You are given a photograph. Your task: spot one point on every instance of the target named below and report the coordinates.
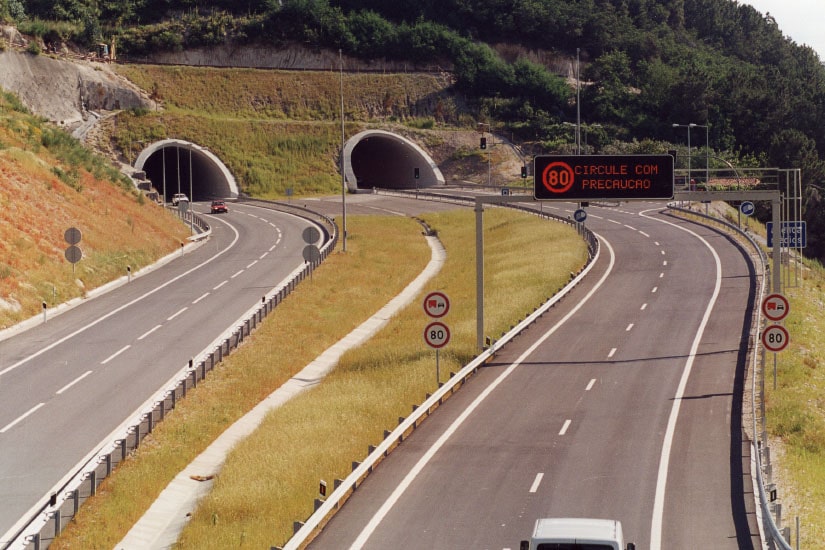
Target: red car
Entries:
(219, 207)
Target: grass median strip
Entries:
(271, 479)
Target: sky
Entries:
(801, 20)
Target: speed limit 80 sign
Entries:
(775, 338)
(436, 334)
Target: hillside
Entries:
(49, 183)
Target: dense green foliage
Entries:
(645, 64)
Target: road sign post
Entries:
(436, 334)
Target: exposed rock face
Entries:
(65, 91)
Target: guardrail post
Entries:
(93, 481)
(57, 521)
(108, 464)
(75, 501)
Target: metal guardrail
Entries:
(770, 530)
(47, 518)
(304, 532)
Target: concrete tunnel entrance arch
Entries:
(210, 178)
(377, 158)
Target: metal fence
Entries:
(44, 521)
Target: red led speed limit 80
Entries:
(558, 177)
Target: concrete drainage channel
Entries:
(46, 519)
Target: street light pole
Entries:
(707, 148)
(688, 126)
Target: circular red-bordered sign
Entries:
(775, 338)
(558, 177)
(436, 304)
(775, 307)
(437, 334)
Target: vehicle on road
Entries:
(219, 207)
(577, 534)
(177, 198)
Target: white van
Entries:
(577, 534)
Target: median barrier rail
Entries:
(770, 527)
(305, 531)
(46, 519)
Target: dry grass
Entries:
(260, 492)
(48, 183)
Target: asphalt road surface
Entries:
(623, 402)
(69, 383)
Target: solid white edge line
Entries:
(20, 418)
(73, 382)
(667, 444)
(536, 482)
(388, 504)
(115, 354)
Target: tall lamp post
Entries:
(688, 126)
(707, 148)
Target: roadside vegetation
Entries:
(49, 183)
(260, 492)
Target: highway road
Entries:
(622, 402)
(67, 384)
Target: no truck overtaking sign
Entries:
(603, 177)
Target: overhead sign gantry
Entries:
(603, 177)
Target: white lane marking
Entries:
(667, 444)
(612, 352)
(73, 382)
(565, 427)
(271, 248)
(401, 488)
(645, 234)
(629, 327)
(614, 221)
(644, 307)
(20, 418)
(663, 252)
(236, 274)
(656, 243)
(591, 384)
(179, 312)
(115, 354)
(664, 263)
(202, 296)
(655, 288)
(148, 332)
(253, 263)
(536, 482)
(630, 227)
(661, 275)
(264, 255)
(220, 285)
(124, 306)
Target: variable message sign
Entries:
(603, 177)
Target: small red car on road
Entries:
(219, 207)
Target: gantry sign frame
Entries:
(603, 177)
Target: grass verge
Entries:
(260, 492)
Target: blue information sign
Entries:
(792, 235)
(580, 215)
(747, 208)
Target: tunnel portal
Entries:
(177, 166)
(376, 158)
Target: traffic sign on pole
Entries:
(437, 334)
(436, 304)
(775, 307)
(775, 338)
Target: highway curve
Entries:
(67, 384)
(622, 402)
